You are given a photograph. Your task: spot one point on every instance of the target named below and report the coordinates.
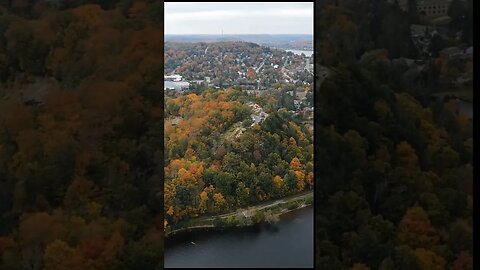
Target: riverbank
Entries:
(287, 243)
(263, 213)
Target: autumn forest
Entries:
(81, 132)
(98, 163)
(218, 160)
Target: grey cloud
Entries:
(239, 18)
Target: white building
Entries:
(177, 86)
(174, 77)
(429, 8)
(433, 8)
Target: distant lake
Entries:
(299, 52)
(289, 243)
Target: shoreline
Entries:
(208, 227)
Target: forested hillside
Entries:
(218, 159)
(81, 135)
(394, 166)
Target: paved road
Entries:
(239, 211)
(285, 73)
(261, 65)
(264, 205)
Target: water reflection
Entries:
(289, 243)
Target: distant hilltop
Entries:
(285, 41)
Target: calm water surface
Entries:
(289, 243)
(299, 52)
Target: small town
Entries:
(225, 64)
(248, 66)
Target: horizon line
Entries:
(236, 34)
(242, 34)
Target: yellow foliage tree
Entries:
(203, 201)
(219, 201)
(300, 177)
(429, 260)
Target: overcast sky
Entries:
(239, 18)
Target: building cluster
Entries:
(174, 83)
(428, 8)
(174, 78)
(258, 115)
(236, 64)
(422, 37)
(433, 8)
(457, 53)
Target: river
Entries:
(289, 243)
